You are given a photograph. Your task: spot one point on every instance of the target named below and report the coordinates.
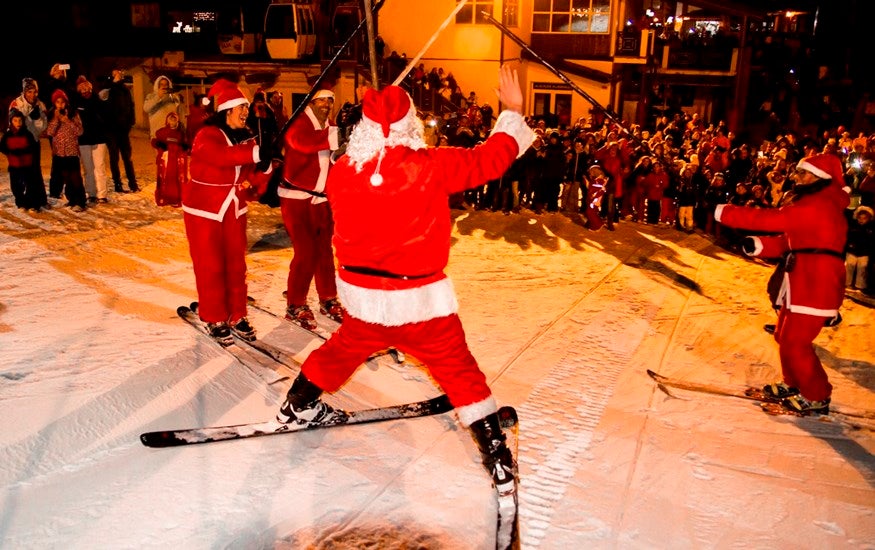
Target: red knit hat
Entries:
(226, 95)
(825, 166)
(59, 93)
(387, 106)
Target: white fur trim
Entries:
(805, 165)
(333, 139)
(514, 125)
(468, 414)
(323, 93)
(230, 104)
(718, 212)
(393, 308)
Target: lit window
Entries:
(511, 13)
(571, 16)
(472, 12)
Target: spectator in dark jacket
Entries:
(860, 246)
(92, 142)
(20, 148)
(119, 121)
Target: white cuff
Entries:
(333, 141)
(514, 125)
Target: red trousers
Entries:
(218, 255)
(310, 227)
(800, 366)
(439, 343)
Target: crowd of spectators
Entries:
(673, 173)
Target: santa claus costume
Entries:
(811, 230)
(306, 213)
(390, 198)
(171, 162)
(227, 169)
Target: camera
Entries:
(64, 67)
(63, 111)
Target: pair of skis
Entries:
(853, 418)
(507, 520)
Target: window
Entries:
(571, 16)
(472, 13)
(511, 15)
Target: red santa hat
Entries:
(387, 107)
(226, 95)
(824, 166)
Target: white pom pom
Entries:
(205, 101)
(376, 180)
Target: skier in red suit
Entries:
(811, 232)
(306, 212)
(390, 198)
(227, 169)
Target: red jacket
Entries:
(306, 158)
(816, 285)
(222, 174)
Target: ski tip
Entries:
(250, 300)
(507, 416)
(654, 375)
(182, 310)
(193, 306)
(158, 439)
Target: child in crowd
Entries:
(861, 242)
(171, 161)
(21, 149)
(64, 129)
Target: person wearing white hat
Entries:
(808, 232)
(227, 169)
(308, 144)
(390, 198)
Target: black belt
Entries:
(361, 270)
(790, 257)
(288, 185)
(826, 251)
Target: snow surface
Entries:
(564, 323)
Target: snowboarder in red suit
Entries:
(810, 232)
(389, 195)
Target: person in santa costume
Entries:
(390, 198)
(810, 233)
(306, 213)
(227, 169)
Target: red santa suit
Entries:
(305, 209)
(171, 163)
(390, 199)
(813, 229)
(223, 177)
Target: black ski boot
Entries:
(497, 458)
(220, 332)
(303, 406)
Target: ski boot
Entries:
(779, 390)
(332, 308)
(804, 407)
(301, 315)
(303, 406)
(220, 332)
(244, 330)
(496, 457)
